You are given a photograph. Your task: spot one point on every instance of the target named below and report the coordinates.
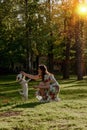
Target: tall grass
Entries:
(68, 114)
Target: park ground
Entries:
(70, 113)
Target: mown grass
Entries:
(68, 114)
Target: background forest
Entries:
(53, 32)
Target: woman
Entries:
(48, 89)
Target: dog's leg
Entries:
(25, 92)
(28, 80)
(20, 92)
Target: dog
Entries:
(24, 83)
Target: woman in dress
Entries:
(48, 88)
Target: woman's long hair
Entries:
(44, 70)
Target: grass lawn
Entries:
(68, 114)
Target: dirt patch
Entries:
(10, 113)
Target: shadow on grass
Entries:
(27, 105)
(80, 86)
(67, 81)
(74, 93)
(8, 87)
(73, 80)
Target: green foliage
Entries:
(36, 28)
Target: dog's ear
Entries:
(19, 76)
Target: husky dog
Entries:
(24, 83)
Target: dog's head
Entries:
(19, 77)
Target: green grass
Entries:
(68, 114)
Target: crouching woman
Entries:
(48, 88)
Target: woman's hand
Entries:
(34, 77)
(23, 73)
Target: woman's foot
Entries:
(57, 99)
(39, 97)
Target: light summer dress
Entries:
(54, 86)
(51, 93)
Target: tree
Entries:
(78, 45)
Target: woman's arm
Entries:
(35, 77)
(42, 87)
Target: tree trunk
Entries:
(50, 62)
(66, 62)
(50, 42)
(37, 63)
(67, 41)
(50, 56)
(78, 45)
(28, 41)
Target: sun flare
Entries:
(82, 9)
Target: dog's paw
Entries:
(20, 92)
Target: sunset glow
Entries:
(82, 9)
